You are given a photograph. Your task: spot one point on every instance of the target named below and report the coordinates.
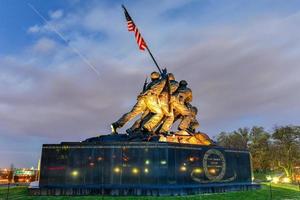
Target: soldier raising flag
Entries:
(160, 104)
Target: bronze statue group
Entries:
(162, 102)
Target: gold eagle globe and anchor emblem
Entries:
(214, 166)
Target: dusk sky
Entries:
(240, 58)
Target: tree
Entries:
(279, 150)
(260, 149)
(285, 148)
(242, 137)
(223, 139)
(237, 139)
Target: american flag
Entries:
(132, 27)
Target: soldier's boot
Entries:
(134, 127)
(114, 127)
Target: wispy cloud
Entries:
(56, 14)
(34, 29)
(44, 45)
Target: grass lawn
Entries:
(279, 192)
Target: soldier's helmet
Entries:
(194, 110)
(171, 76)
(155, 75)
(183, 83)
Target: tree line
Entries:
(277, 150)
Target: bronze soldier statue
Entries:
(179, 99)
(194, 122)
(165, 106)
(162, 102)
(154, 105)
(146, 100)
(165, 100)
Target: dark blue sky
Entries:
(239, 57)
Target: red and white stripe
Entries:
(139, 39)
(130, 26)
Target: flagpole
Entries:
(153, 59)
(146, 45)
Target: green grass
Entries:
(286, 186)
(260, 176)
(279, 192)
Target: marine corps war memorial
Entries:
(149, 159)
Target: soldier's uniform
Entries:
(194, 122)
(153, 104)
(164, 96)
(146, 100)
(178, 99)
(138, 124)
(165, 102)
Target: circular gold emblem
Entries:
(214, 165)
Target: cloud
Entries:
(56, 14)
(241, 74)
(44, 45)
(55, 100)
(33, 29)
